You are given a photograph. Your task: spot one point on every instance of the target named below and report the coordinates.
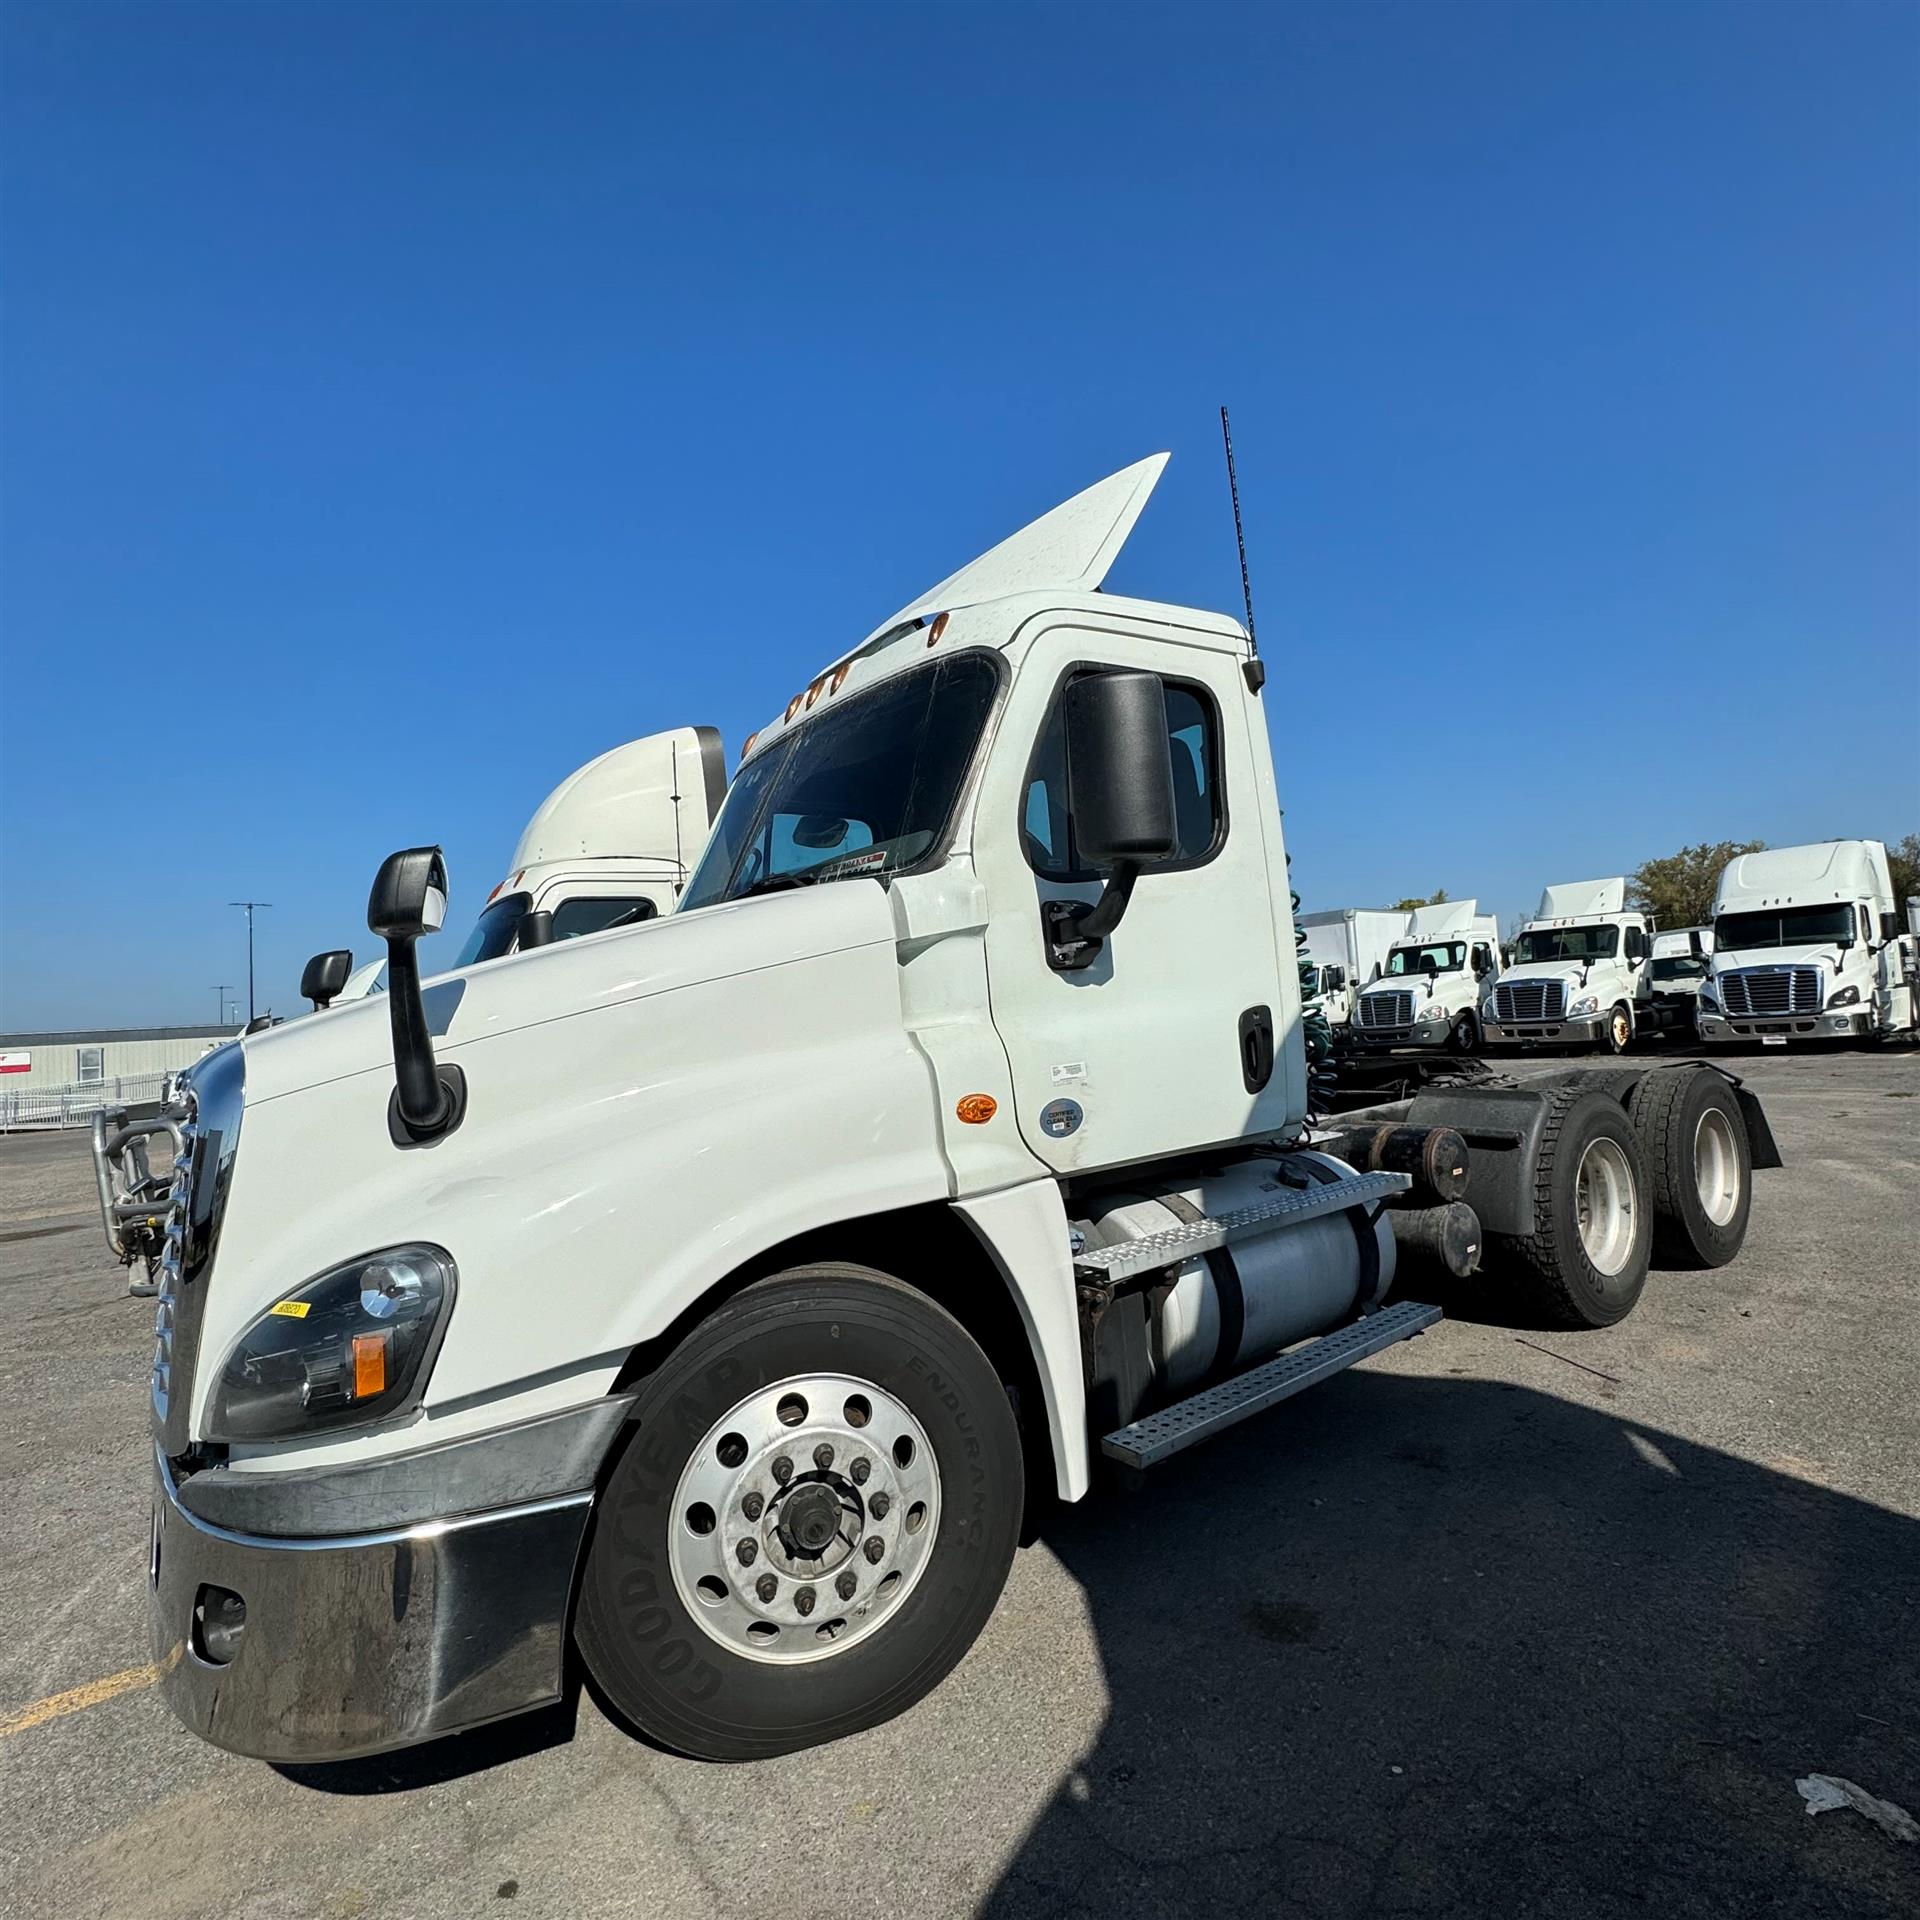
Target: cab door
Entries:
(1176, 1035)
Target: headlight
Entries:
(1433, 1010)
(1587, 1003)
(1488, 1011)
(350, 1348)
(1846, 997)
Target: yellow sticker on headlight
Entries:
(292, 1309)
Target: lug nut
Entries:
(803, 1602)
(845, 1585)
(782, 1469)
(860, 1469)
(746, 1553)
(752, 1505)
(875, 1549)
(878, 1506)
(766, 1587)
(823, 1456)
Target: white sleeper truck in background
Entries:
(1429, 988)
(1682, 957)
(1808, 945)
(1580, 974)
(709, 1299)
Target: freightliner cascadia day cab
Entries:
(1681, 958)
(1580, 973)
(1428, 991)
(1808, 945)
(1348, 947)
(613, 844)
(716, 1295)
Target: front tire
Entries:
(1618, 1031)
(1464, 1035)
(811, 1525)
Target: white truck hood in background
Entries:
(577, 976)
(1567, 970)
(1734, 959)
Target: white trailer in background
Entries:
(1808, 945)
(1432, 980)
(1348, 946)
(1580, 974)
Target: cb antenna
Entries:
(1253, 667)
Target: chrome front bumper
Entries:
(1722, 1029)
(357, 1643)
(1580, 1031)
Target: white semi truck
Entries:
(1808, 945)
(1681, 959)
(1580, 975)
(1347, 948)
(712, 1297)
(1428, 991)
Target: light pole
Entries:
(249, 905)
(220, 994)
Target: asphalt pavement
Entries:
(1498, 1622)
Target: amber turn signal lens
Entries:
(976, 1109)
(937, 629)
(816, 690)
(840, 676)
(369, 1365)
(748, 748)
(793, 706)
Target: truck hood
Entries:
(1568, 971)
(1414, 983)
(1732, 959)
(577, 976)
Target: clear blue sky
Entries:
(404, 403)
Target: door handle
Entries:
(1256, 1047)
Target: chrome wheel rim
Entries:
(1622, 1029)
(804, 1518)
(1716, 1167)
(1607, 1206)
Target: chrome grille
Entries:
(1770, 990)
(1386, 1009)
(1530, 1000)
(166, 1316)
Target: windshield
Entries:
(493, 932)
(1680, 966)
(865, 789)
(1566, 943)
(1440, 956)
(1785, 927)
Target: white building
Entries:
(50, 1078)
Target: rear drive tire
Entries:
(812, 1523)
(1699, 1165)
(1585, 1263)
(1618, 1031)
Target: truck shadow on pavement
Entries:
(1446, 1645)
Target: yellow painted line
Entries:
(77, 1699)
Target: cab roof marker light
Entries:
(840, 676)
(793, 705)
(816, 690)
(938, 627)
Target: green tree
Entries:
(1407, 906)
(1903, 856)
(1678, 891)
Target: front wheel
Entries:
(812, 1523)
(1618, 1030)
(1464, 1035)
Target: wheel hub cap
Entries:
(804, 1518)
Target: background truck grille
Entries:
(1531, 1000)
(1386, 1010)
(1767, 990)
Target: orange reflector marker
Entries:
(937, 629)
(748, 748)
(840, 676)
(976, 1109)
(369, 1365)
(793, 706)
(816, 690)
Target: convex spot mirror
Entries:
(409, 898)
(1120, 769)
(325, 975)
(817, 830)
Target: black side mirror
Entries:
(1120, 793)
(1889, 926)
(409, 899)
(325, 975)
(536, 929)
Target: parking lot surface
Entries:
(1498, 1622)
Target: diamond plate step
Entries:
(1158, 1436)
(1128, 1258)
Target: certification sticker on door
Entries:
(1058, 1118)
